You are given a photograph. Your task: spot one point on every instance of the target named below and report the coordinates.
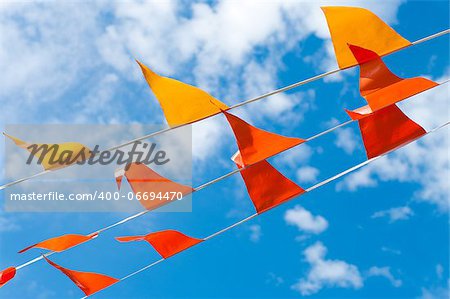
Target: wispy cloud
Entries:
(255, 233)
(395, 214)
(384, 272)
(326, 273)
(305, 221)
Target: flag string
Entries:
(316, 186)
(200, 187)
(280, 90)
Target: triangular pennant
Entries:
(181, 103)
(167, 242)
(143, 179)
(267, 187)
(61, 243)
(387, 129)
(56, 155)
(88, 282)
(361, 27)
(6, 275)
(379, 86)
(255, 144)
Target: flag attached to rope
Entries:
(88, 282)
(379, 86)
(181, 103)
(56, 155)
(6, 275)
(360, 27)
(61, 243)
(387, 129)
(255, 144)
(143, 179)
(267, 187)
(167, 242)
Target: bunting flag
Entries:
(387, 129)
(181, 103)
(360, 27)
(267, 187)
(379, 86)
(143, 179)
(61, 243)
(88, 282)
(56, 155)
(6, 275)
(167, 242)
(255, 144)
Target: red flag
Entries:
(379, 86)
(88, 282)
(61, 243)
(6, 275)
(387, 129)
(255, 144)
(267, 187)
(167, 242)
(143, 179)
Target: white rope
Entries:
(194, 190)
(283, 89)
(316, 186)
(209, 183)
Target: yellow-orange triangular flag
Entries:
(362, 28)
(56, 155)
(181, 103)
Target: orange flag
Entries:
(379, 86)
(167, 242)
(61, 243)
(88, 282)
(6, 275)
(56, 155)
(267, 187)
(360, 27)
(387, 129)
(143, 179)
(255, 144)
(181, 102)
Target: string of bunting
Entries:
(359, 38)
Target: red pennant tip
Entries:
(387, 129)
(61, 243)
(167, 242)
(88, 282)
(145, 180)
(6, 275)
(255, 144)
(363, 55)
(267, 187)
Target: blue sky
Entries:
(380, 232)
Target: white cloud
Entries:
(61, 49)
(255, 233)
(326, 273)
(293, 157)
(7, 224)
(307, 174)
(384, 272)
(436, 292)
(424, 162)
(305, 221)
(395, 214)
(274, 279)
(347, 140)
(391, 250)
